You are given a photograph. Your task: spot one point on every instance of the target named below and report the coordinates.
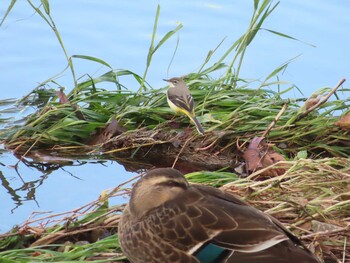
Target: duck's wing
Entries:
(235, 226)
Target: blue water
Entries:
(61, 190)
(119, 33)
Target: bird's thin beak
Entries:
(166, 80)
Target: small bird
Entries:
(169, 220)
(180, 100)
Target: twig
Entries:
(305, 113)
(326, 233)
(275, 120)
(344, 250)
(183, 147)
(78, 212)
(208, 146)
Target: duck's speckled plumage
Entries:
(180, 227)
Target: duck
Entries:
(169, 220)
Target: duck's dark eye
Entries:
(173, 184)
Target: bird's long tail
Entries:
(198, 125)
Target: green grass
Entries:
(311, 192)
(104, 250)
(231, 111)
(241, 112)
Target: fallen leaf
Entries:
(62, 97)
(252, 155)
(344, 122)
(318, 226)
(260, 155)
(36, 254)
(103, 135)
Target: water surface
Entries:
(119, 33)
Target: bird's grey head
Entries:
(155, 188)
(173, 82)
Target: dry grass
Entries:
(312, 199)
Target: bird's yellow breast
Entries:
(174, 107)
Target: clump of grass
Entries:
(241, 113)
(223, 104)
(85, 233)
(105, 250)
(310, 193)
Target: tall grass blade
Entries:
(46, 6)
(94, 59)
(51, 23)
(153, 48)
(287, 36)
(8, 10)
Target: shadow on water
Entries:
(30, 187)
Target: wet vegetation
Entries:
(304, 181)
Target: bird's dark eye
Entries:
(175, 81)
(173, 184)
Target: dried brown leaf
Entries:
(62, 97)
(344, 122)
